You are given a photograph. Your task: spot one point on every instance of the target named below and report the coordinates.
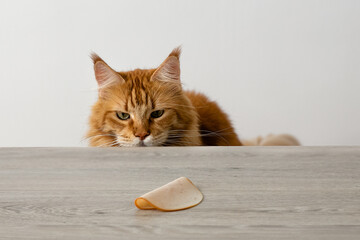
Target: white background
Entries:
(274, 66)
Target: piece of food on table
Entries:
(177, 195)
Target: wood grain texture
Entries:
(250, 193)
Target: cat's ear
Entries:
(169, 70)
(105, 75)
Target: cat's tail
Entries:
(272, 140)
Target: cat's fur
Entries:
(189, 118)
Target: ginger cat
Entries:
(148, 107)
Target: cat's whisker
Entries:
(176, 143)
(108, 144)
(221, 130)
(221, 135)
(97, 135)
(114, 144)
(159, 139)
(208, 133)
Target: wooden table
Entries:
(250, 193)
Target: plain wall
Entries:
(274, 66)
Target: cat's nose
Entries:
(142, 135)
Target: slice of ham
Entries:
(176, 195)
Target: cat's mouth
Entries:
(136, 142)
(141, 144)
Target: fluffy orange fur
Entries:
(150, 108)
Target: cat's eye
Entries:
(157, 114)
(122, 115)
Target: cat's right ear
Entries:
(105, 75)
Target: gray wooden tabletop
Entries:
(249, 193)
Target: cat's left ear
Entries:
(104, 74)
(169, 70)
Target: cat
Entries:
(148, 107)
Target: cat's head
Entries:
(140, 107)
